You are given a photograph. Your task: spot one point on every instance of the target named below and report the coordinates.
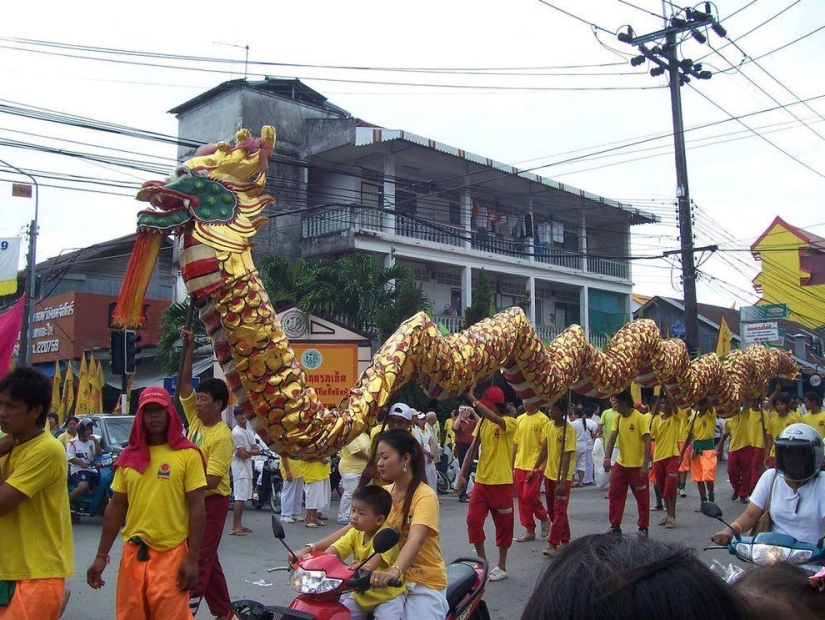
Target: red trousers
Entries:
(757, 467)
(211, 580)
(557, 511)
(739, 470)
(498, 500)
(620, 479)
(529, 499)
(666, 475)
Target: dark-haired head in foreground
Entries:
(779, 591)
(609, 577)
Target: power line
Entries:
(576, 17)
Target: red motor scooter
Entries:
(321, 579)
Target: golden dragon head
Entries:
(215, 199)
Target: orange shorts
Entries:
(703, 466)
(684, 465)
(147, 589)
(35, 599)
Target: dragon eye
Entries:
(180, 172)
(201, 172)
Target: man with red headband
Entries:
(158, 490)
(493, 490)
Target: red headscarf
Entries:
(136, 454)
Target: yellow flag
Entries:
(723, 341)
(67, 398)
(55, 407)
(82, 405)
(96, 384)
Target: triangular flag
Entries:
(55, 407)
(96, 385)
(82, 404)
(67, 398)
(723, 341)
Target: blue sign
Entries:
(170, 383)
(678, 330)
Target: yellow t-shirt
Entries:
(817, 421)
(215, 442)
(65, 438)
(666, 433)
(496, 456)
(684, 416)
(315, 471)
(632, 430)
(158, 509)
(738, 430)
(777, 424)
(296, 468)
(428, 568)
(36, 535)
(449, 436)
(705, 425)
(350, 464)
(352, 544)
(528, 439)
(554, 435)
(757, 424)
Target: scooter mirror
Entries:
(384, 540)
(709, 509)
(278, 529)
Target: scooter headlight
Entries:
(800, 556)
(313, 582)
(761, 553)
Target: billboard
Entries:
(331, 368)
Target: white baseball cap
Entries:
(402, 411)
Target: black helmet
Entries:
(799, 451)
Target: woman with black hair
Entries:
(606, 577)
(415, 515)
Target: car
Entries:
(111, 430)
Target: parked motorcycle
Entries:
(94, 502)
(765, 548)
(447, 471)
(267, 471)
(321, 579)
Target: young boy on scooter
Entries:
(370, 508)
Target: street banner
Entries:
(21, 190)
(723, 341)
(10, 322)
(9, 255)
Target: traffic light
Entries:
(132, 348)
(117, 353)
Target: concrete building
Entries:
(343, 184)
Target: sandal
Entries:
(310, 524)
(237, 533)
(247, 530)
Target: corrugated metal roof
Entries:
(365, 136)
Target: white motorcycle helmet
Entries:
(799, 452)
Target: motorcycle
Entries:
(321, 578)
(267, 471)
(447, 471)
(94, 502)
(765, 548)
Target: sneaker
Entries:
(497, 574)
(545, 528)
(664, 521)
(551, 551)
(287, 520)
(464, 499)
(614, 530)
(643, 533)
(299, 518)
(658, 507)
(526, 537)
(682, 494)
(255, 497)
(744, 500)
(734, 497)
(671, 523)
(343, 521)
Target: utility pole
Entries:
(665, 57)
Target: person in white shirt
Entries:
(241, 467)
(81, 452)
(426, 438)
(585, 427)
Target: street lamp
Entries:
(25, 353)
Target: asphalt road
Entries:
(246, 559)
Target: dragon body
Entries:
(213, 203)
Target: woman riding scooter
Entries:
(796, 489)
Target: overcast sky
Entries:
(739, 181)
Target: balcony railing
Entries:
(548, 332)
(451, 322)
(343, 218)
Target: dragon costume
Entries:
(213, 203)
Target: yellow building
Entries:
(793, 271)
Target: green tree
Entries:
(481, 305)
(167, 353)
(407, 299)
